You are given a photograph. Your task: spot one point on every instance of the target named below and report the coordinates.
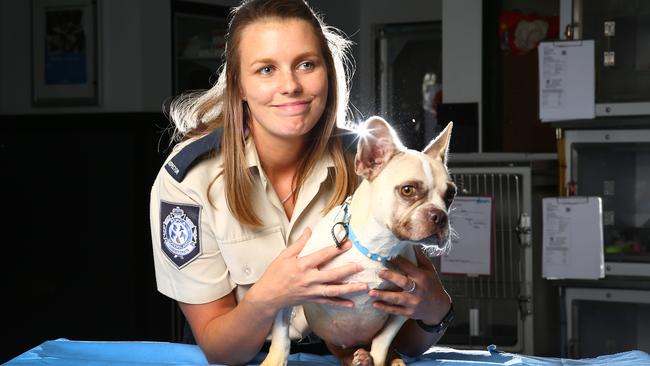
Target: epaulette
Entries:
(180, 164)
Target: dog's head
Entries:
(411, 190)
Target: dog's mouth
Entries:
(434, 245)
(421, 231)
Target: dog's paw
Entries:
(362, 358)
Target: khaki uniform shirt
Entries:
(201, 252)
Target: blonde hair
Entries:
(199, 113)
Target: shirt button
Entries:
(247, 270)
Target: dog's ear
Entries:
(439, 146)
(377, 144)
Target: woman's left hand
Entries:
(422, 297)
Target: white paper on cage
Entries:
(471, 247)
(573, 238)
(566, 80)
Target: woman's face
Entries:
(283, 77)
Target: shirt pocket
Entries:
(247, 259)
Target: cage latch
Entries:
(525, 306)
(524, 231)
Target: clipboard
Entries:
(573, 238)
(566, 80)
(472, 218)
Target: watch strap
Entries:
(444, 323)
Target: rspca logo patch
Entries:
(180, 232)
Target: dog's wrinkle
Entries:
(417, 226)
(401, 229)
(406, 216)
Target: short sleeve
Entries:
(188, 263)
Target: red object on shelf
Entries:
(520, 33)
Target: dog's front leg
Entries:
(280, 341)
(382, 341)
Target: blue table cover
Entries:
(90, 353)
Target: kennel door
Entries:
(494, 309)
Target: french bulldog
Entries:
(401, 203)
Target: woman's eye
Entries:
(307, 65)
(407, 191)
(265, 70)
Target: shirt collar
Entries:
(253, 160)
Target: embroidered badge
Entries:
(180, 233)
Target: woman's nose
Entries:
(290, 83)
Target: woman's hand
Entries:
(423, 296)
(290, 280)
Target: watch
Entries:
(444, 323)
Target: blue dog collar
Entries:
(349, 234)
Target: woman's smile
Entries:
(293, 108)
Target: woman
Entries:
(262, 159)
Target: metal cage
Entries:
(499, 308)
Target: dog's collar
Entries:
(349, 234)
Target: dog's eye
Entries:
(407, 191)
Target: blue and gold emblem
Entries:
(180, 234)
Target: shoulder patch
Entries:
(180, 232)
(180, 164)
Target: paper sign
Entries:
(573, 238)
(566, 80)
(471, 248)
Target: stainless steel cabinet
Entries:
(621, 33)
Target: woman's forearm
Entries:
(413, 341)
(236, 337)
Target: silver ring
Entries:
(412, 289)
(322, 293)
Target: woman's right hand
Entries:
(290, 280)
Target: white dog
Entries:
(401, 202)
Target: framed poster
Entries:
(64, 51)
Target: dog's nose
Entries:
(438, 216)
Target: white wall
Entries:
(345, 16)
(462, 54)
